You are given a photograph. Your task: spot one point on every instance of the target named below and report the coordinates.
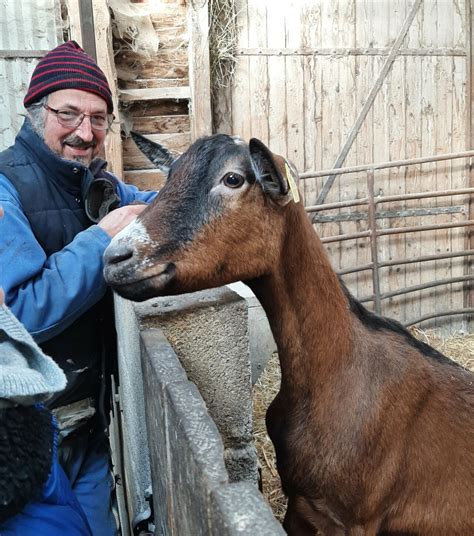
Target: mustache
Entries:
(75, 141)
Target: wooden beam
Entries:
(155, 93)
(370, 100)
(199, 70)
(86, 10)
(469, 242)
(105, 59)
(74, 18)
(15, 54)
(307, 51)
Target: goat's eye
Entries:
(233, 180)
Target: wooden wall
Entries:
(163, 96)
(304, 72)
(28, 30)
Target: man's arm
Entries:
(48, 293)
(130, 194)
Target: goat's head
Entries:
(218, 219)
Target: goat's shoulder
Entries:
(392, 329)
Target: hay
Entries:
(222, 43)
(458, 347)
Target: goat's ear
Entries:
(158, 155)
(276, 175)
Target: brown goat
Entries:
(373, 429)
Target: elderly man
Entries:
(61, 210)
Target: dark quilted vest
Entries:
(51, 194)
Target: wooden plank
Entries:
(396, 180)
(166, 64)
(330, 112)
(413, 148)
(162, 124)
(23, 54)
(154, 93)
(310, 51)
(381, 142)
(469, 239)
(444, 86)
(258, 83)
(370, 99)
(145, 179)
(277, 118)
(240, 90)
(347, 97)
(105, 59)
(428, 170)
(295, 134)
(311, 14)
(74, 20)
(155, 107)
(140, 83)
(199, 70)
(361, 283)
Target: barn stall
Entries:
(380, 89)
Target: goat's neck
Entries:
(305, 305)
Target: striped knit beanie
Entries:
(67, 67)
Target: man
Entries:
(61, 210)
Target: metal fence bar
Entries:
(389, 199)
(372, 233)
(466, 311)
(373, 241)
(425, 258)
(395, 230)
(415, 288)
(386, 165)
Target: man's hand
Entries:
(119, 218)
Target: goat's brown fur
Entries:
(373, 434)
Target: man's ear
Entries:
(274, 173)
(158, 155)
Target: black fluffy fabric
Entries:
(26, 448)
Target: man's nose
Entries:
(84, 130)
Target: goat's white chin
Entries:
(137, 286)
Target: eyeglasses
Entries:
(71, 119)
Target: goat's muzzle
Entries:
(132, 277)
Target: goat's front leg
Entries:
(302, 519)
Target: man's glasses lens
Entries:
(71, 119)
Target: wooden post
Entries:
(74, 17)
(469, 291)
(199, 69)
(105, 59)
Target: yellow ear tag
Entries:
(292, 184)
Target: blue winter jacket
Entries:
(51, 258)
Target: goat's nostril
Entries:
(117, 253)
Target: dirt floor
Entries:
(458, 347)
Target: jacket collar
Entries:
(70, 175)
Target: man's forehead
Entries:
(77, 98)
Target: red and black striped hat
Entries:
(67, 67)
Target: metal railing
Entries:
(374, 233)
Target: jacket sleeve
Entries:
(47, 293)
(130, 194)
